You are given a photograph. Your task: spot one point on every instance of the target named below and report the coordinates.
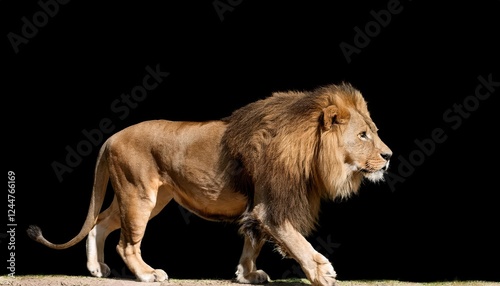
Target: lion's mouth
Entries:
(369, 172)
(371, 169)
(373, 174)
(386, 166)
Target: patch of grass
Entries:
(291, 281)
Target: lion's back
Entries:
(165, 143)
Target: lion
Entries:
(266, 167)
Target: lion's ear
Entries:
(333, 115)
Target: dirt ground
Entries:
(39, 280)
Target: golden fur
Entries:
(266, 166)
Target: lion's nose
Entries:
(386, 156)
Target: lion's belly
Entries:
(212, 204)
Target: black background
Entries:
(436, 223)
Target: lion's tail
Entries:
(99, 190)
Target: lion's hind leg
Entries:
(136, 208)
(107, 222)
(246, 271)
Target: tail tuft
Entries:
(34, 232)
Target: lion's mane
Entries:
(280, 143)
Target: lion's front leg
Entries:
(316, 267)
(246, 271)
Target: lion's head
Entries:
(300, 146)
(350, 134)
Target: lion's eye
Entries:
(363, 135)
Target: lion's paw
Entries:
(326, 274)
(256, 277)
(157, 275)
(327, 279)
(100, 270)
